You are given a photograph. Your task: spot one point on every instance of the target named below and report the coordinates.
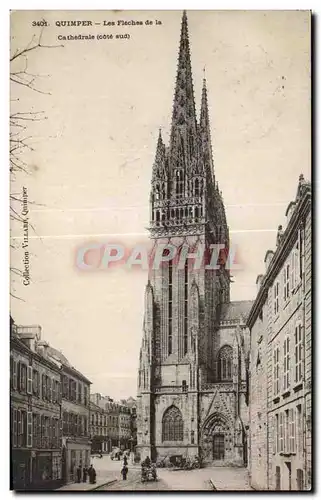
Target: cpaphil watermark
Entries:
(101, 256)
(25, 240)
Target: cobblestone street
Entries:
(209, 478)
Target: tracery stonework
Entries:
(192, 379)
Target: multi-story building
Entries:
(111, 423)
(99, 429)
(35, 412)
(280, 324)
(131, 403)
(76, 444)
(193, 365)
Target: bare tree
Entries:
(20, 138)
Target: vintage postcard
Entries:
(160, 322)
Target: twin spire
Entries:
(190, 142)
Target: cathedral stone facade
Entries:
(193, 367)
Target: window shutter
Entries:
(54, 396)
(11, 371)
(14, 428)
(43, 440)
(15, 375)
(30, 380)
(29, 429)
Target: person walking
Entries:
(124, 471)
(92, 475)
(84, 474)
(78, 474)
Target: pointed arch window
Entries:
(179, 183)
(172, 425)
(196, 188)
(225, 357)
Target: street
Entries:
(223, 478)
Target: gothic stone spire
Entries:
(205, 133)
(184, 126)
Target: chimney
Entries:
(29, 335)
(42, 348)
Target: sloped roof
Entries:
(234, 310)
(57, 355)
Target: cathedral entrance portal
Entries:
(218, 447)
(217, 440)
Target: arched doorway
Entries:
(217, 439)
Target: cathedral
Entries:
(193, 366)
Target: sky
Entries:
(90, 166)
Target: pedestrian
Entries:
(124, 471)
(84, 474)
(125, 460)
(78, 474)
(92, 475)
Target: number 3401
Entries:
(39, 23)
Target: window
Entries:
(65, 387)
(286, 282)
(79, 392)
(14, 377)
(276, 434)
(276, 371)
(225, 357)
(286, 363)
(292, 447)
(276, 297)
(298, 340)
(29, 380)
(185, 308)
(170, 307)
(49, 388)
(35, 383)
(65, 423)
(286, 432)
(44, 387)
(54, 391)
(281, 429)
(22, 377)
(85, 395)
(14, 427)
(22, 427)
(196, 188)
(172, 425)
(299, 427)
(29, 429)
(295, 267)
(36, 431)
(56, 467)
(179, 183)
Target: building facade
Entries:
(280, 324)
(111, 423)
(100, 441)
(193, 366)
(35, 412)
(75, 410)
